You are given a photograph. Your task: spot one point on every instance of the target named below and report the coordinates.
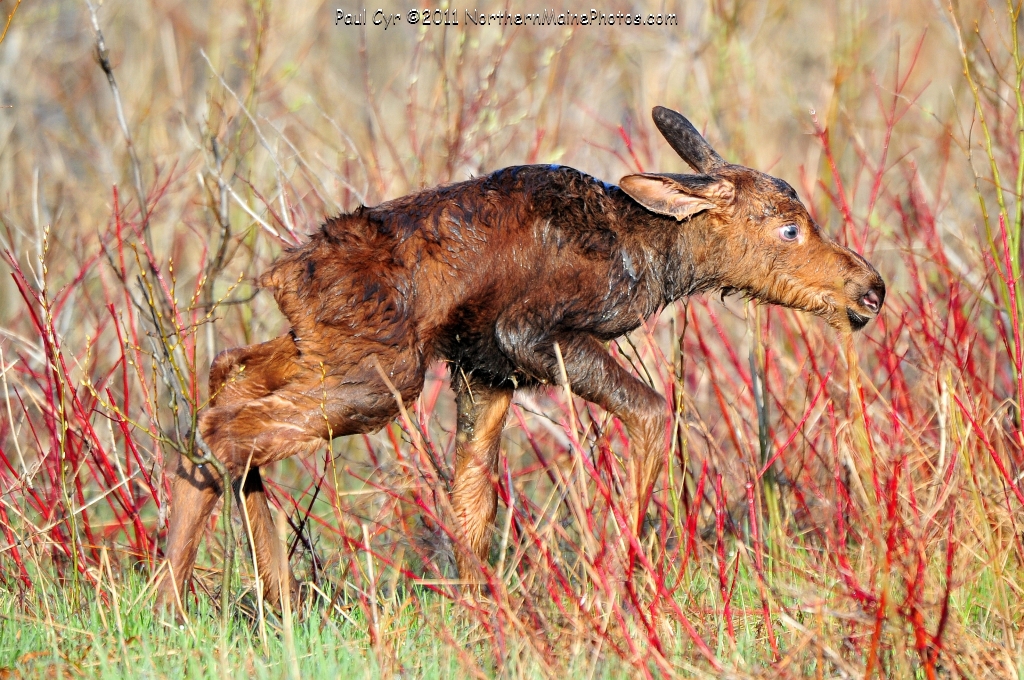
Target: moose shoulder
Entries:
(490, 274)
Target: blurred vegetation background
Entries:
(356, 115)
(886, 539)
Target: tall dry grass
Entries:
(830, 506)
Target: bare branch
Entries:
(102, 56)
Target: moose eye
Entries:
(788, 232)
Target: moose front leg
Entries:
(481, 416)
(594, 375)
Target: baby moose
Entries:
(488, 275)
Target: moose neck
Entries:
(684, 256)
(693, 259)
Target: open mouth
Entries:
(857, 321)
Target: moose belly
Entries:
(477, 353)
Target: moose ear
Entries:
(679, 196)
(686, 141)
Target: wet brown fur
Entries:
(488, 275)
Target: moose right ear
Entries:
(678, 196)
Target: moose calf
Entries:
(488, 275)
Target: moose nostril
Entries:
(871, 301)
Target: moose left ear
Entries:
(679, 196)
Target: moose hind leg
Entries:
(271, 559)
(481, 416)
(195, 490)
(294, 419)
(246, 373)
(237, 376)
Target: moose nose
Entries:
(872, 300)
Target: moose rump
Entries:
(349, 306)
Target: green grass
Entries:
(74, 632)
(70, 629)
(67, 630)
